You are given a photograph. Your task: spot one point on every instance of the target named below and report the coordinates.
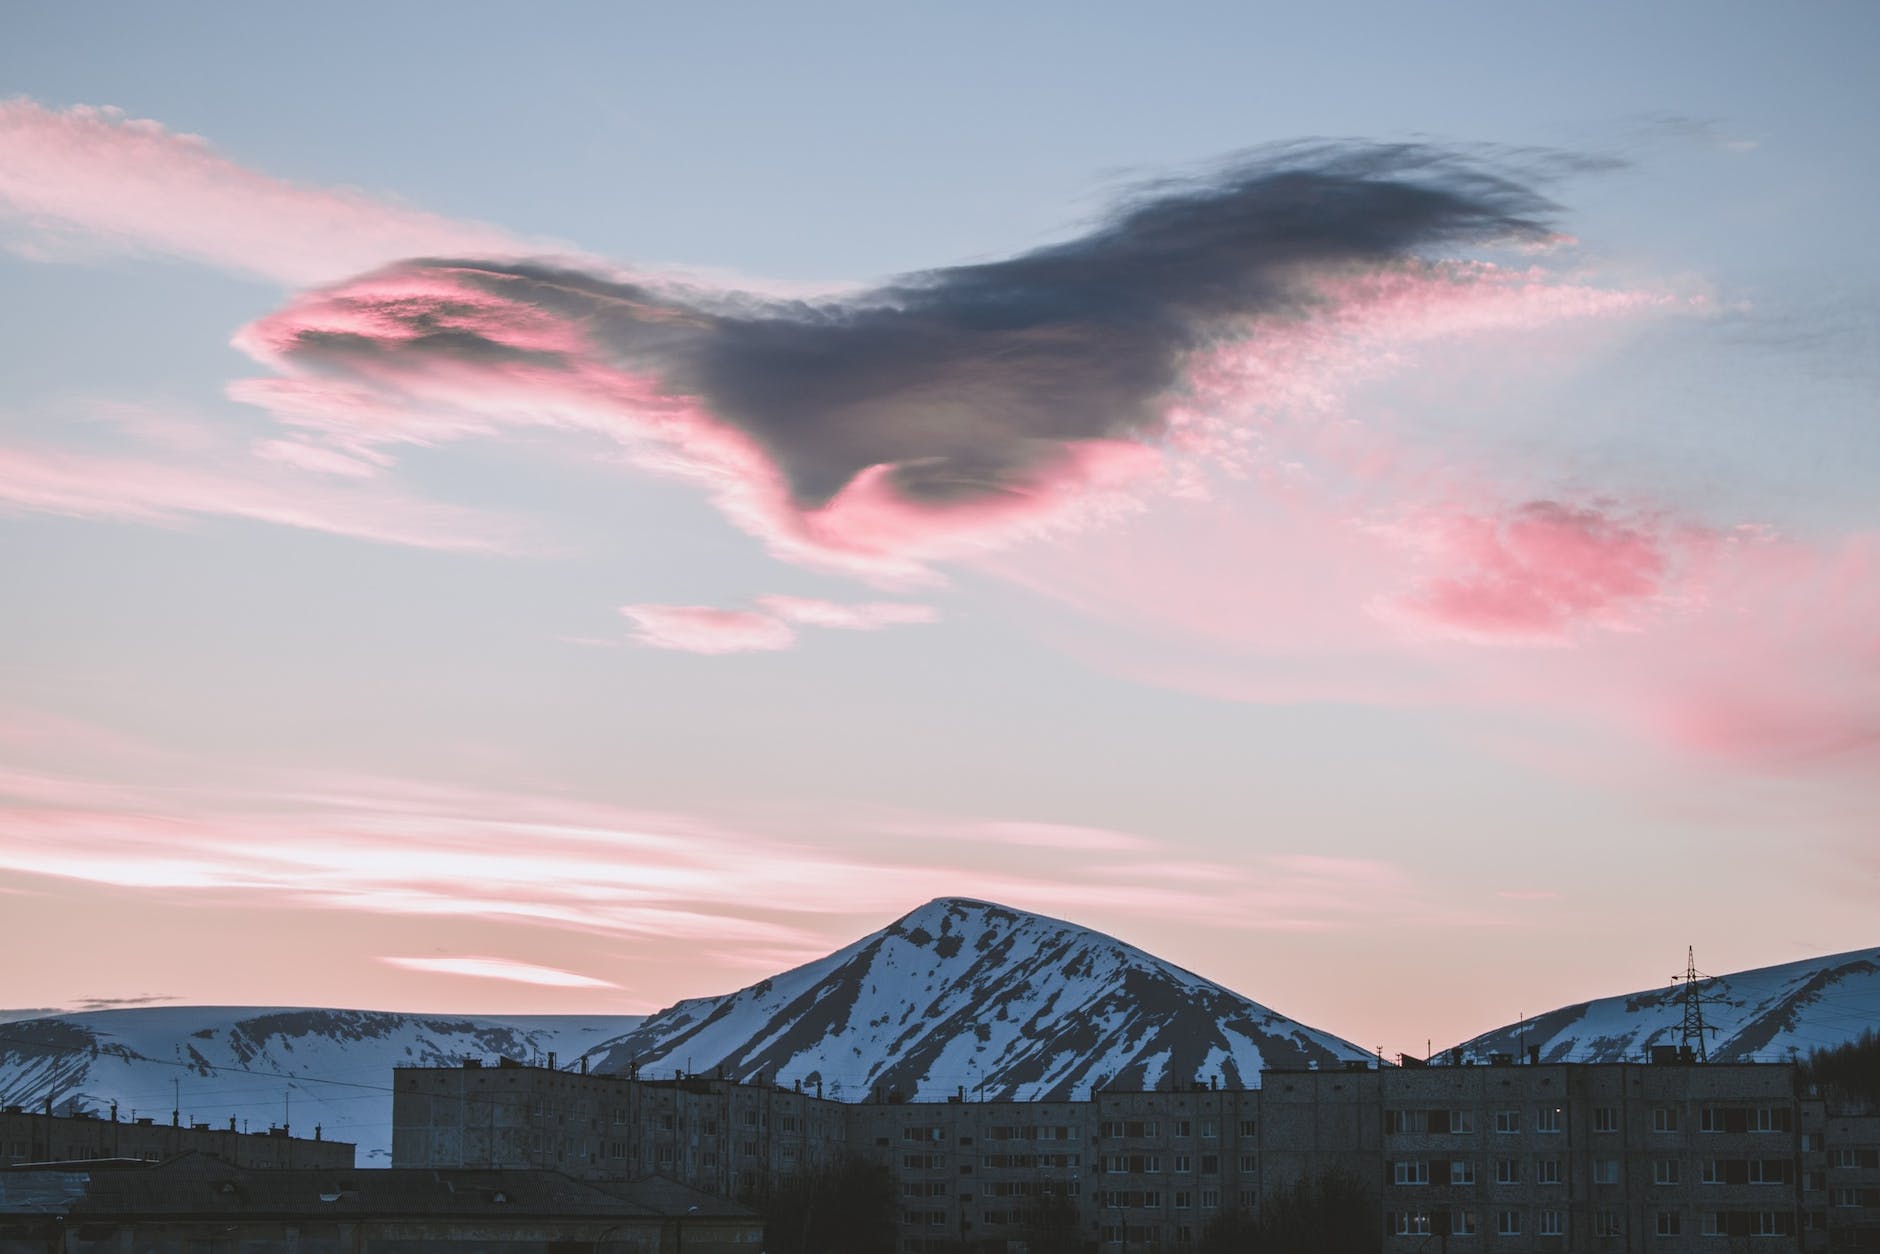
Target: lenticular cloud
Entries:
(937, 414)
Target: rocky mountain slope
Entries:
(968, 995)
(1761, 1015)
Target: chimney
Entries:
(1534, 1055)
(583, 1064)
(551, 1060)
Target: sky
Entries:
(571, 508)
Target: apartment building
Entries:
(1500, 1157)
(1610, 1157)
(30, 1137)
(729, 1139)
(1846, 1173)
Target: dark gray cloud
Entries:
(968, 380)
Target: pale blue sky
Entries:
(218, 665)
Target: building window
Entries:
(1210, 1164)
(1664, 1118)
(1547, 1171)
(1184, 1128)
(1769, 1119)
(1669, 1223)
(1606, 1119)
(1462, 1223)
(1250, 1162)
(1605, 1171)
(1772, 1223)
(1183, 1199)
(1547, 1119)
(1606, 1222)
(1411, 1223)
(1247, 1127)
(1664, 1171)
(1249, 1199)
(1712, 1225)
(1462, 1171)
(1768, 1171)
(1507, 1171)
(1551, 1223)
(1507, 1121)
(1210, 1128)
(1184, 1163)
(1210, 1199)
(1411, 1171)
(1508, 1223)
(1844, 1197)
(1461, 1121)
(1406, 1122)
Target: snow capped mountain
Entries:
(1758, 1015)
(964, 994)
(264, 1066)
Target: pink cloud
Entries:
(395, 378)
(866, 616)
(91, 175)
(1534, 572)
(215, 478)
(704, 629)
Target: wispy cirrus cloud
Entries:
(499, 969)
(705, 629)
(86, 177)
(746, 893)
(171, 469)
(862, 616)
(771, 627)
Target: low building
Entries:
(201, 1205)
(30, 1137)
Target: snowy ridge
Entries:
(265, 1066)
(968, 995)
(1761, 1015)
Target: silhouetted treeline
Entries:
(1329, 1213)
(848, 1208)
(1849, 1072)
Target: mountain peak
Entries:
(965, 993)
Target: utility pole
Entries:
(1693, 1030)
